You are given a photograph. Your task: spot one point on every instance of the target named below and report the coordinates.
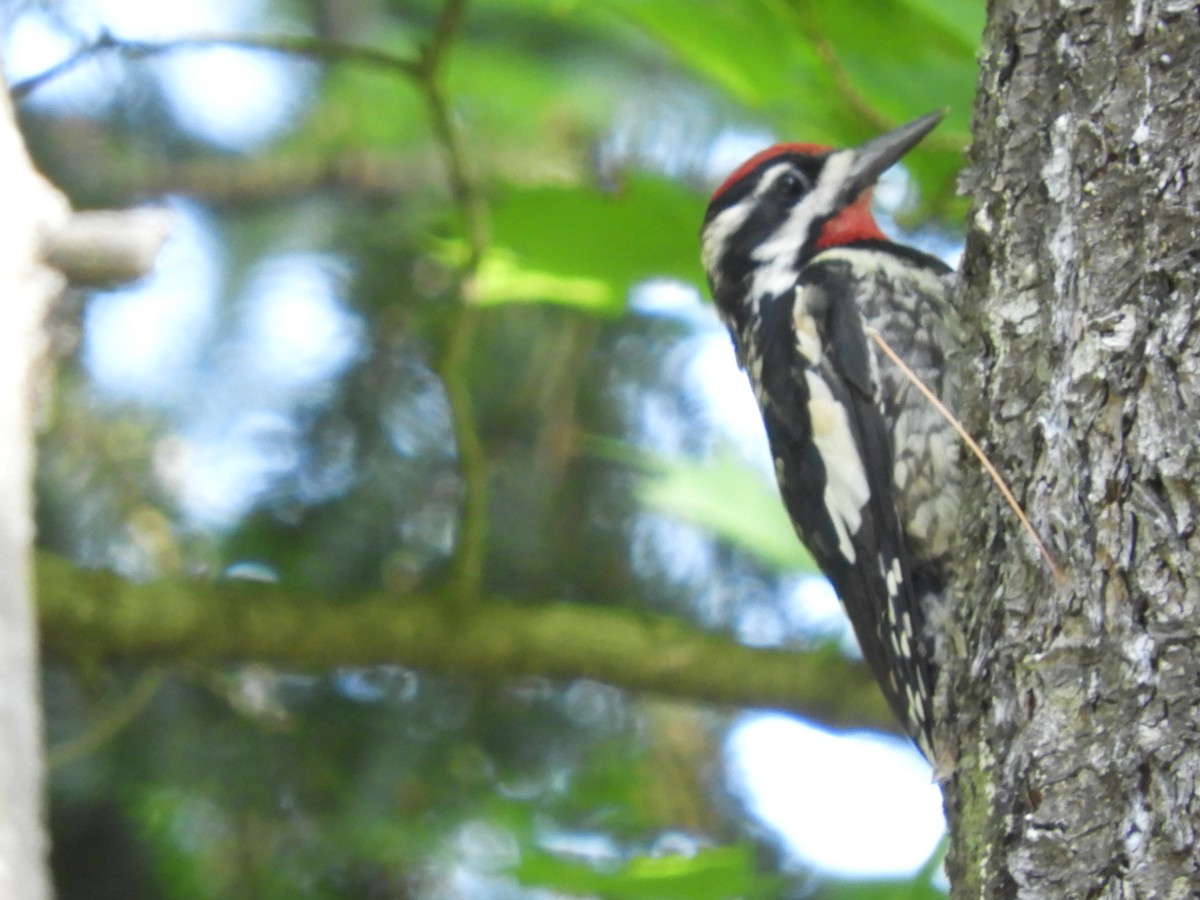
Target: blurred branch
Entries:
(448, 25)
(466, 194)
(292, 45)
(109, 724)
(471, 549)
(107, 247)
(234, 182)
(97, 616)
(426, 71)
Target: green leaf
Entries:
(920, 887)
(715, 874)
(363, 109)
(827, 71)
(646, 229)
(724, 495)
(735, 503)
(530, 109)
(886, 889)
(963, 18)
(502, 278)
(900, 63)
(748, 50)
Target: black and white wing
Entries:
(833, 457)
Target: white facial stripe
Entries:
(719, 230)
(728, 221)
(772, 175)
(846, 489)
(779, 251)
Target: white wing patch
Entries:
(846, 489)
(718, 232)
(893, 577)
(808, 337)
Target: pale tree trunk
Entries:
(1077, 705)
(28, 211)
(40, 240)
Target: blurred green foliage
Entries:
(584, 131)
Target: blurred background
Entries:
(445, 321)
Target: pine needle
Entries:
(996, 477)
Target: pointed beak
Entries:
(879, 154)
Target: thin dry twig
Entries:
(962, 432)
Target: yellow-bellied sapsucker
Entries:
(868, 470)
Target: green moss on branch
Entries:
(98, 616)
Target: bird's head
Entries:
(790, 201)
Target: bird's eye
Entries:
(791, 185)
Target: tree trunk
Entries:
(1077, 706)
(29, 209)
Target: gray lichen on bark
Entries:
(1077, 706)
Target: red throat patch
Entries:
(854, 223)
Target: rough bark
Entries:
(30, 209)
(1077, 707)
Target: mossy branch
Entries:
(96, 616)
